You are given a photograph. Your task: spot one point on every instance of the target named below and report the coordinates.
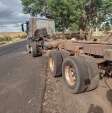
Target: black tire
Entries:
(35, 50)
(93, 73)
(28, 49)
(28, 46)
(84, 74)
(55, 57)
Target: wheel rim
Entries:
(70, 75)
(51, 64)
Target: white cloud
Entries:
(10, 28)
(11, 12)
(2, 6)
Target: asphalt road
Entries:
(22, 80)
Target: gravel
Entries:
(52, 101)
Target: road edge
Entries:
(3, 45)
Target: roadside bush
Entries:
(22, 36)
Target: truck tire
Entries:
(28, 46)
(79, 74)
(35, 50)
(93, 73)
(55, 63)
(28, 49)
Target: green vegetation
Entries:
(33, 7)
(67, 13)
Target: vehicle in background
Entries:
(38, 30)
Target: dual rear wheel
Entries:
(80, 73)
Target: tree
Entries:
(33, 7)
(66, 12)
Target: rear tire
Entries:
(82, 77)
(28, 49)
(28, 46)
(93, 73)
(35, 50)
(55, 63)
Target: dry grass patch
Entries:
(6, 37)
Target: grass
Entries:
(11, 37)
(5, 38)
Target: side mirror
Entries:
(27, 27)
(22, 27)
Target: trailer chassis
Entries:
(81, 63)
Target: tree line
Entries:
(71, 14)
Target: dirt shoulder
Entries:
(58, 100)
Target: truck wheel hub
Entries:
(70, 75)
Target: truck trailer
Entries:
(80, 63)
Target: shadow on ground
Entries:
(95, 109)
(109, 96)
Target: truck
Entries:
(81, 63)
(38, 30)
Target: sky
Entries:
(11, 14)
